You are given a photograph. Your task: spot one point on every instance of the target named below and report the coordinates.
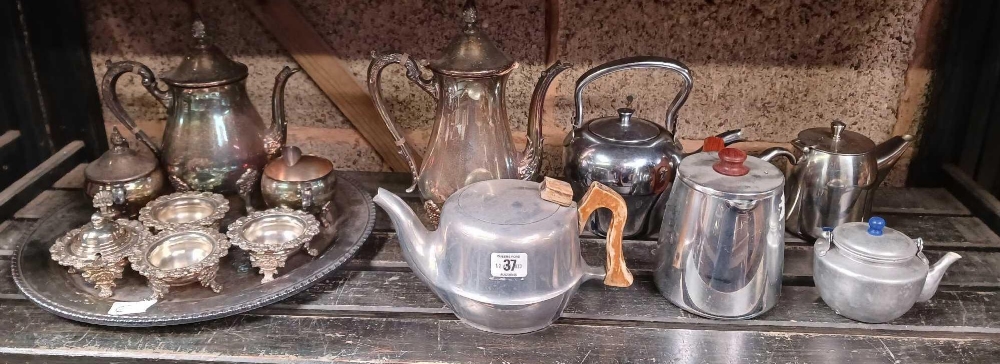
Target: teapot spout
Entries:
(888, 153)
(277, 133)
(414, 239)
(531, 158)
(935, 274)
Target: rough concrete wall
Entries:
(771, 67)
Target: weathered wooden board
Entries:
(48, 202)
(440, 338)
(72, 180)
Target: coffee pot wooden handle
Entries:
(598, 196)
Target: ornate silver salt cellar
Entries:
(180, 256)
(273, 235)
(98, 250)
(184, 208)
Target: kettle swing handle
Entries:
(634, 63)
(109, 94)
(598, 196)
(429, 85)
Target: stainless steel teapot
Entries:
(504, 258)
(471, 140)
(870, 273)
(635, 157)
(835, 180)
(214, 139)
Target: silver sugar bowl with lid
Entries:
(871, 273)
(635, 157)
(132, 178)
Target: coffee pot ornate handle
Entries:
(634, 63)
(109, 94)
(429, 85)
(598, 196)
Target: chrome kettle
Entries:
(214, 139)
(471, 139)
(835, 179)
(721, 248)
(635, 157)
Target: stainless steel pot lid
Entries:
(873, 240)
(505, 202)
(836, 140)
(625, 128)
(753, 178)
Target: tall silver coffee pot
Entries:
(835, 180)
(214, 139)
(721, 247)
(635, 157)
(471, 139)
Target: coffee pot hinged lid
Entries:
(472, 53)
(731, 174)
(874, 241)
(205, 65)
(835, 140)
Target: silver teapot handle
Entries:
(634, 63)
(109, 94)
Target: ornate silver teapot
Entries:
(471, 140)
(870, 273)
(835, 179)
(506, 255)
(214, 139)
(635, 157)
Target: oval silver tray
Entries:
(50, 286)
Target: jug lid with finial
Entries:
(472, 53)
(120, 163)
(205, 65)
(835, 140)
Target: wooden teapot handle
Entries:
(603, 196)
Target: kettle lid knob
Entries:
(875, 226)
(713, 144)
(731, 163)
(837, 127)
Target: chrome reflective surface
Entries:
(481, 225)
(184, 208)
(298, 181)
(180, 256)
(271, 236)
(471, 138)
(869, 284)
(721, 248)
(214, 136)
(827, 187)
(133, 179)
(634, 156)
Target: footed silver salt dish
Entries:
(184, 208)
(177, 257)
(271, 236)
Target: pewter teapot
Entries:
(471, 139)
(835, 180)
(214, 139)
(635, 157)
(505, 258)
(870, 273)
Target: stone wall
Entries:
(770, 67)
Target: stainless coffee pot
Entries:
(506, 255)
(835, 179)
(635, 157)
(870, 273)
(214, 139)
(471, 140)
(721, 247)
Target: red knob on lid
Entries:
(731, 162)
(713, 144)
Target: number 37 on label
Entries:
(509, 265)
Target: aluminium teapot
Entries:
(471, 139)
(635, 157)
(506, 255)
(835, 179)
(214, 139)
(870, 273)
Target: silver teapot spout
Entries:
(414, 239)
(277, 133)
(888, 153)
(935, 274)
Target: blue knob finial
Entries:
(875, 226)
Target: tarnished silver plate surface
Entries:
(49, 286)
